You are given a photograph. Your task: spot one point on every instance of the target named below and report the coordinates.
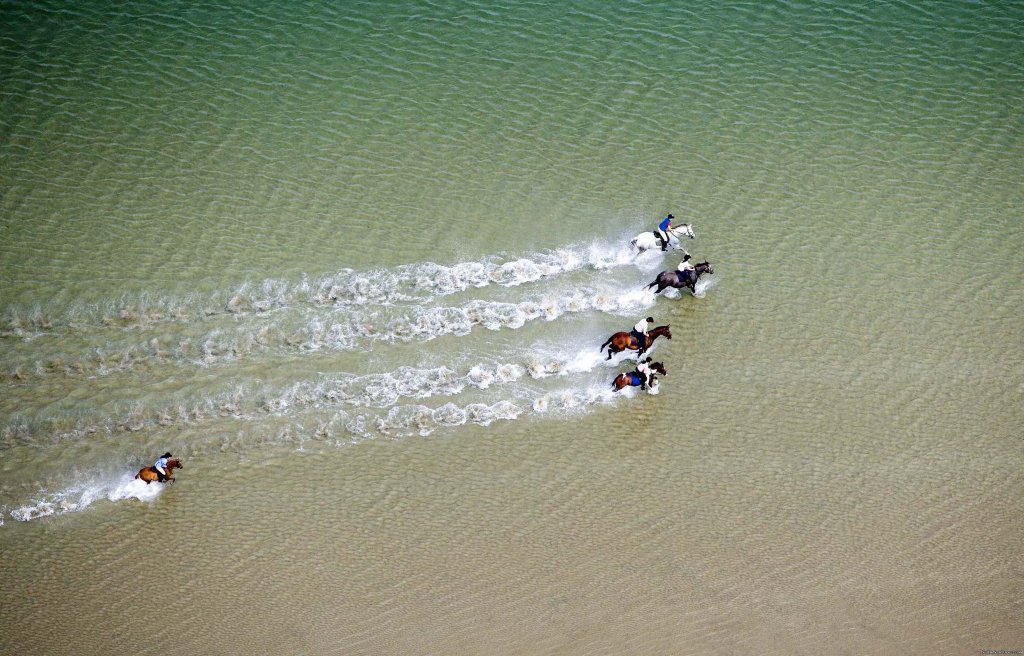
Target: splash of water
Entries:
(80, 497)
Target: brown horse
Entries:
(150, 474)
(633, 379)
(622, 341)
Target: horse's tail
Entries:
(653, 283)
(632, 243)
(606, 343)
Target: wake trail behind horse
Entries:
(249, 334)
(395, 421)
(408, 283)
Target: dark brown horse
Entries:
(634, 379)
(621, 341)
(679, 279)
(150, 474)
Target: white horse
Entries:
(648, 240)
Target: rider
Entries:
(685, 265)
(639, 331)
(644, 369)
(662, 231)
(161, 465)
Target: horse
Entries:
(648, 240)
(150, 474)
(621, 341)
(633, 379)
(679, 279)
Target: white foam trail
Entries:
(428, 281)
(555, 361)
(398, 420)
(383, 390)
(483, 376)
(387, 389)
(423, 282)
(410, 283)
(423, 420)
(252, 328)
(575, 400)
(429, 323)
(81, 497)
(340, 330)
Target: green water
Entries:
(354, 263)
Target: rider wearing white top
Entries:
(685, 265)
(644, 369)
(640, 331)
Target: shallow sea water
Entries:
(354, 266)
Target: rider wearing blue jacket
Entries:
(161, 465)
(663, 228)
